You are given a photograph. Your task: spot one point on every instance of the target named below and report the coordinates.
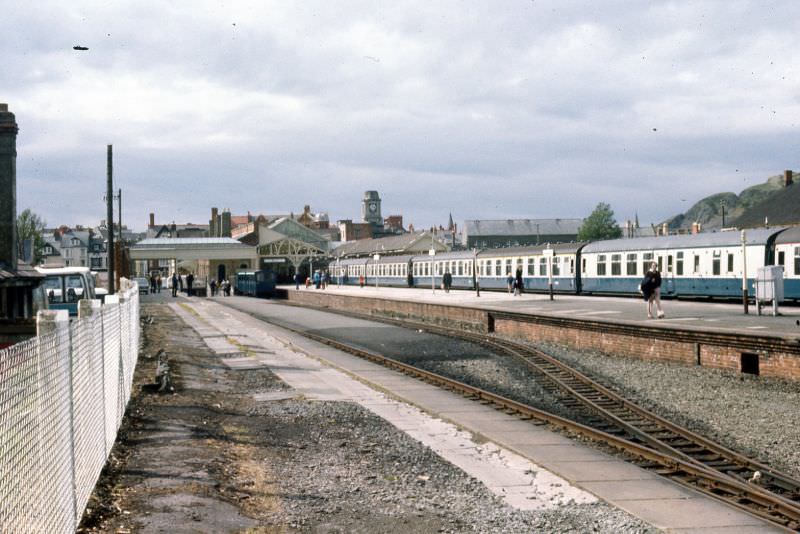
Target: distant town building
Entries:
(518, 232)
(416, 243)
(172, 230)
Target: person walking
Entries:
(158, 283)
(518, 284)
(447, 281)
(510, 283)
(174, 284)
(650, 288)
(317, 279)
(189, 282)
(213, 286)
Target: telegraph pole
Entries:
(119, 259)
(110, 221)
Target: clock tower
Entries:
(371, 209)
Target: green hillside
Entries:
(708, 211)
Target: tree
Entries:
(31, 226)
(600, 225)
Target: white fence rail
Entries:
(62, 398)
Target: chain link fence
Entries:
(62, 398)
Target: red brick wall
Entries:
(777, 358)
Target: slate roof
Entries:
(384, 245)
(514, 227)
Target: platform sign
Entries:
(376, 257)
(548, 253)
(432, 252)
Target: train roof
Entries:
(560, 248)
(790, 235)
(702, 240)
(452, 255)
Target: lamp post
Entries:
(376, 257)
(723, 204)
(745, 300)
(339, 271)
(432, 254)
(475, 272)
(549, 252)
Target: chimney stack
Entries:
(225, 230)
(787, 178)
(8, 188)
(213, 229)
(152, 219)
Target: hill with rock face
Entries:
(708, 211)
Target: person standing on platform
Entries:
(510, 283)
(650, 289)
(317, 279)
(174, 284)
(158, 283)
(518, 284)
(297, 278)
(361, 280)
(213, 286)
(447, 281)
(189, 282)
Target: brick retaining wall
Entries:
(774, 356)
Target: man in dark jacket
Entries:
(447, 281)
(189, 282)
(650, 288)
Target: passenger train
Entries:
(692, 266)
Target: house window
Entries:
(601, 265)
(716, 262)
(730, 262)
(679, 263)
(48, 249)
(97, 263)
(630, 264)
(616, 264)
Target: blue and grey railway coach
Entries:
(349, 271)
(709, 264)
(787, 254)
(255, 283)
(459, 264)
(537, 263)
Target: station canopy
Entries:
(286, 238)
(192, 249)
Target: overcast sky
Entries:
(485, 109)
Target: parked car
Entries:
(144, 285)
(65, 286)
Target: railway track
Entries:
(651, 441)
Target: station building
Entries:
(410, 243)
(518, 232)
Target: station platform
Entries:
(709, 316)
(527, 466)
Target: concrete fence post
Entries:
(91, 310)
(57, 322)
(109, 303)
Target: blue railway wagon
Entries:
(699, 265)
(255, 283)
(460, 265)
(787, 254)
(348, 271)
(536, 265)
(388, 270)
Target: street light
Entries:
(745, 301)
(432, 253)
(376, 257)
(475, 281)
(549, 253)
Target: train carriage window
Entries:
(696, 263)
(519, 264)
(661, 264)
(542, 266)
(508, 267)
(796, 260)
(461, 268)
(669, 263)
(716, 262)
(679, 263)
(730, 262)
(616, 264)
(572, 266)
(531, 267)
(647, 259)
(630, 264)
(583, 265)
(601, 265)
(556, 266)
(782, 258)
(498, 268)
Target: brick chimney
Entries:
(8, 188)
(152, 220)
(787, 178)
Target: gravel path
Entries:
(757, 416)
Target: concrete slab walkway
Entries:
(527, 465)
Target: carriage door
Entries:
(666, 265)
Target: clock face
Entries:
(373, 207)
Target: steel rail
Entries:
(696, 450)
(753, 499)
